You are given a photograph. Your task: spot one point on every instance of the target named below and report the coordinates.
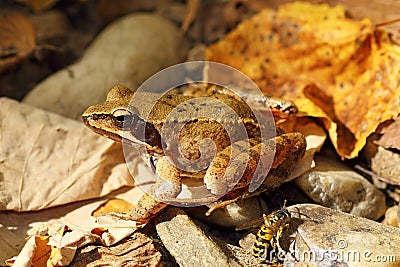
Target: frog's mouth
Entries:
(102, 125)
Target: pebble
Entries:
(233, 214)
(386, 164)
(189, 244)
(392, 216)
(336, 237)
(333, 184)
(320, 236)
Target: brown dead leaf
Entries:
(64, 244)
(349, 66)
(36, 252)
(192, 6)
(59, 161)
(17, 39)
(315, 137)
(391, 135)
(137, 250)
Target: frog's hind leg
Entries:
(168, 186)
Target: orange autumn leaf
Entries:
(113, 205)
(17, 39)
(43, 251)
(340, 70)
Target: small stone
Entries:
(333, 184)
(386, 164)
(232, 215)
(328, 237)
(187, 242)
(391, 216)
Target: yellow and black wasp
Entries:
(266, 246)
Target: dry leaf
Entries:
(34, 254)
(350, 67)
(76, 215)
(137, 250)
(55, 244)
(59, 161)
(17, 39)
(315, 137)
(391, 135)
(192, 6)
(113, 205)
(65, 243)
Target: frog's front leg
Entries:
(166, 187)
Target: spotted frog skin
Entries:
(115, 120)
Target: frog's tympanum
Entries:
(115, 120)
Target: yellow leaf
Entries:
(113, 205)
(342, 71)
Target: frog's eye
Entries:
(123, 118)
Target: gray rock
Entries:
(386, 164)
(333, 184)
(188, 243)
(332, 238)
(232, 215)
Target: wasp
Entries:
(266, 245)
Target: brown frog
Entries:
(116, 119)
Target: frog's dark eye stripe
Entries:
(123, 118)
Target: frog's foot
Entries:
(220, 204)
(126, 216)
(166, 188)
(235, 166)
(146, 208)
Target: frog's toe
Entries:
(227, 169)
(121, 215)
(220, 179)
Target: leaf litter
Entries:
(340, 70)
(292, 71)
(17, 39)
